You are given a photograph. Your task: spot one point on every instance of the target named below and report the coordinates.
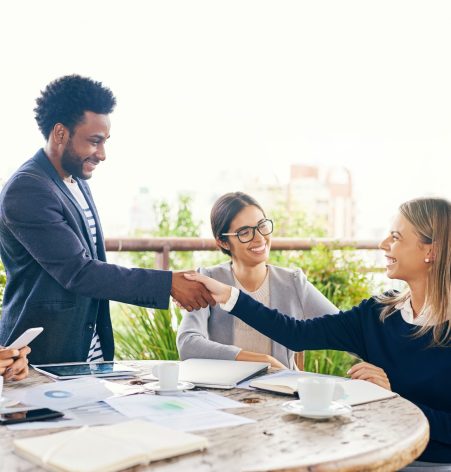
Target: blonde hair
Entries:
(431, 219)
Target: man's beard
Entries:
(73, 164)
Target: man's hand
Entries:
(371, 373)
(220, 292)
(14, 363)
(190, 294)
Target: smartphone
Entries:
(25, 338)
(41, 414)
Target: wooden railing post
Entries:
(162, 258)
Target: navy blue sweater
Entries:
(416, 371)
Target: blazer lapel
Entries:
(42, 159)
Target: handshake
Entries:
(193, 291)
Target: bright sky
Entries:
(247, 86)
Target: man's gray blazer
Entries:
(57, 276)
(208, 332)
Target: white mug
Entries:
(168, 375)
(318, 393)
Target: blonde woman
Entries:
(403, 337)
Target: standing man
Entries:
(51, 240)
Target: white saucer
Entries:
(7, 402)
(155, 387)
(297, 408)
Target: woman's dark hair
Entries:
(66, 99)
(224, 211)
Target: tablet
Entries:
(75, 370)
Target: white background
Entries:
(246, 87)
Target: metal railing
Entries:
(163, 246)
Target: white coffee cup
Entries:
(318, 393)
(167, 374)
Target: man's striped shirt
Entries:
(95, 353)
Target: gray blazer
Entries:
(208, 332)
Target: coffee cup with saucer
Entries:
(167, 374)
(317, 397)
(157, 388)
(334, 409)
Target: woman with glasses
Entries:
(243, 232)
(404, 337)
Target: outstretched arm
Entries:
(341, 332)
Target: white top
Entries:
(407, 313)
(246, 337)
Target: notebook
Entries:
(356, 392)
(107, 448)
(218, 373)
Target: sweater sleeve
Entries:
(342, 331)
(439, 422)
(193, 339)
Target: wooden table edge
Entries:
(386, 460)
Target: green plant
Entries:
(182, 223)
(142, 333)
(146, 334)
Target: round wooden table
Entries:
(378, 436)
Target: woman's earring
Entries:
(427, 260)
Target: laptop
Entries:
(218, 373)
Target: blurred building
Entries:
(325, 195)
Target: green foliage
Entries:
(181, 223)
(146, 334)
(294, 223)
(141, 333)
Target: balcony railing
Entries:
(163, 246)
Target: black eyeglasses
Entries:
(247, 233)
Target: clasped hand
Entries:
(189, 293)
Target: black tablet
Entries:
(74, 370)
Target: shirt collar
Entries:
(407, 313)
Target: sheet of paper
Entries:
(201, 420)
(63, 395)
(98, 413)
(136, 406)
